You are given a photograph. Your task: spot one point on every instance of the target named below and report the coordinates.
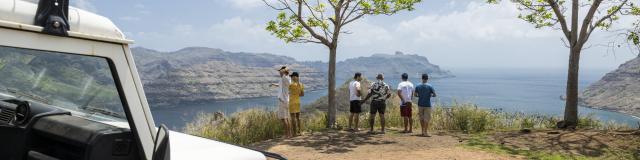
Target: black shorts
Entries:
(378, 106)
(355, 106)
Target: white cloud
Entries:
(363, 33)
(479, 21)
(468, 34)
(246, 4)
(240, 31)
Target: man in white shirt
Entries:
(283, 99)
(405, 92)
(354, 98)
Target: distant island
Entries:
(199, 73)
(618, 90)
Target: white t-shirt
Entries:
(406, 90)
(283, 92)
(353, 89)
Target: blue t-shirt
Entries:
(424, 91)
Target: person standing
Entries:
(354, 99)
(296, 90)
(380, 92)
(405, 92)
(424, 92)
(283, 99)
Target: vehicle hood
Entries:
(188, 147)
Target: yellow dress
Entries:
(295, 89)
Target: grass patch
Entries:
(614, 151)
(256, 125)
(479, 141)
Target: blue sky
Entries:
(455, 34)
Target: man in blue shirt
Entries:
(424, 92)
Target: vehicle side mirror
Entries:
(161, 149)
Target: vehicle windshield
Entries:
(78, 83)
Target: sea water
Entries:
(527, 91)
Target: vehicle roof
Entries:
(19, 14)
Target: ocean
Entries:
(527, 91)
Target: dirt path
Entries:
(393, 145)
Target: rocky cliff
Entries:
(618, 90)
(198, 73)
(390, 65)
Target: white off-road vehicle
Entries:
(69, 89)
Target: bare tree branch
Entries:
(561, 19)
(608, 16)
(587, 21)
(311, 30)
(353, 19)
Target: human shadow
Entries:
(332, 141)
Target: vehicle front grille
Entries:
(6, 115)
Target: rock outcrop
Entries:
(198, 73)
(618, 90)
(391, 65)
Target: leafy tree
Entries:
(322, 22)
(551, 13)
(633, 34)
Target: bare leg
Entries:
(426, 126)
(410, 124)
(406, 122)
(287, 131)
(423, 127)
(298, 123)
(357, 119)
(350, 120)
(293, 122)
(381, 122)
(372, 118)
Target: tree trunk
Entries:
(332, 87)
(571, 103)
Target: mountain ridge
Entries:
(618, 90)
(201, 73)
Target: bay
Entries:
(533, 91)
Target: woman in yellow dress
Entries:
(296, 90)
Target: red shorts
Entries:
(405, 110)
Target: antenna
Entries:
(52, 15)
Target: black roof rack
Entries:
(53, 16)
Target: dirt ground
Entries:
(360, 145)
(587, 143)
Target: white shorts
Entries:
(283, 110)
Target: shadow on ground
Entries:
(329, 142)
(573, 143)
